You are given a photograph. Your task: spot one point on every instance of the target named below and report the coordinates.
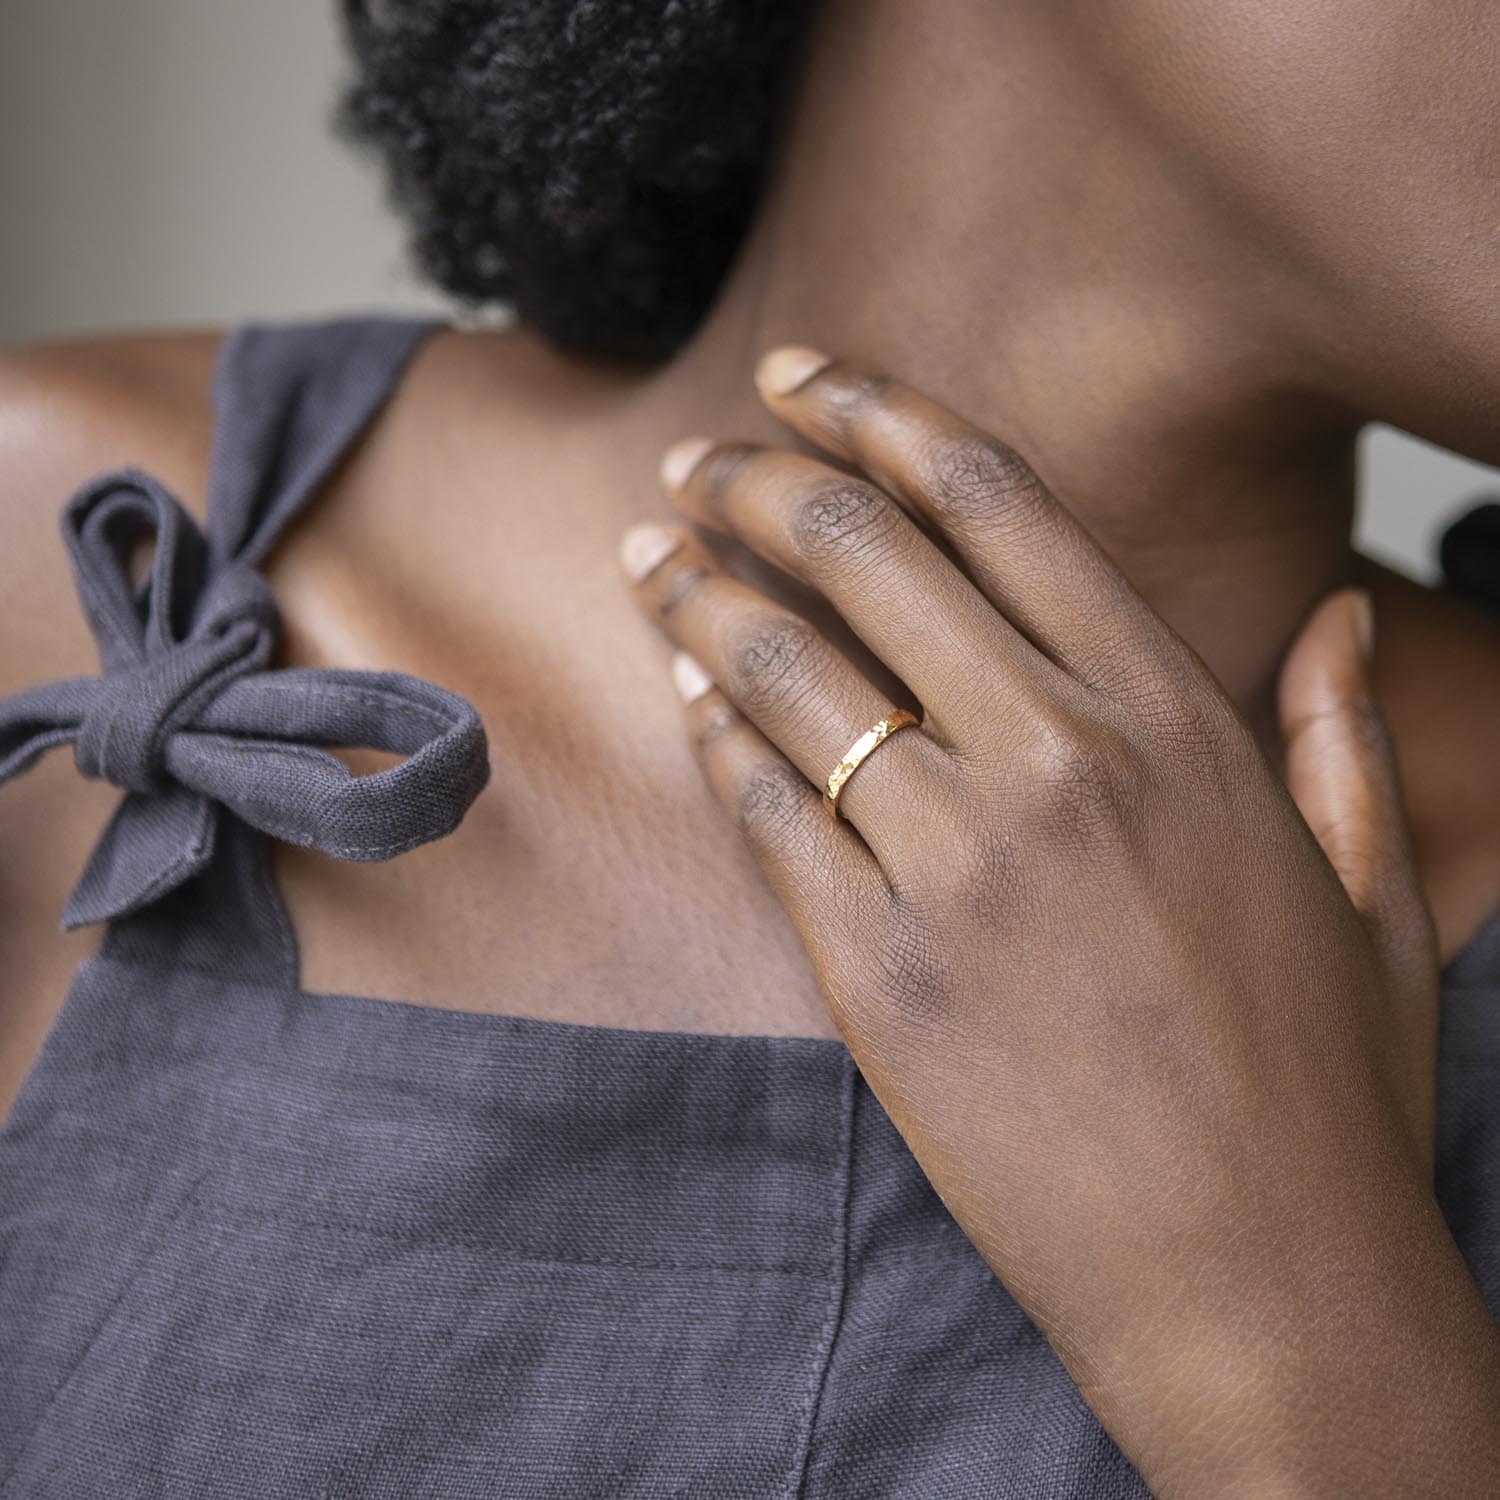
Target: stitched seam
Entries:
(346, 851)
(222, 1211)
(227, 1213)
(274, 751)
(371, 697)
(287, 833)
(701, 1040)
(171, 875)
(838, 1297)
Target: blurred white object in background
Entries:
(1409, 491)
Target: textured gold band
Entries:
(838, 778)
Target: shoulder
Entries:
(71, 407)
(68, 411)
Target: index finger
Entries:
(1026, 552)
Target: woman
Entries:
(1088, 1145)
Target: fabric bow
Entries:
(187, 718)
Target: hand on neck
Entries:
(959, 200)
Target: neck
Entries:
(960, 202)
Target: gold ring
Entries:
(854, 757)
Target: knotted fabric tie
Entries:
(188, 718)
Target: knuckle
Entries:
(1356, 721)
(860, 393)
(840, 518)
(913, 976)
(1369, 728)
(904, 984)
(681, 586)
(1196, 731)
(1206, 746)
(769, 803)
(771, 662)
(982, 873)
(980, 477)
(1093, 784)
(711, 725)
(722, 467)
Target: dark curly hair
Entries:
(592, 163)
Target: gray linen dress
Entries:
(261, 1242)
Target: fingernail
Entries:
(644, 548)
(1362, 614)
(783, 370)
(681, 459)
(689, 678)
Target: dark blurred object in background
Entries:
(1469, 554)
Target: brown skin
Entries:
(1174, 260)
(1161, 1037)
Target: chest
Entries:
(609, 890)
(596, 879)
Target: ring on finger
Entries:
(859, 751)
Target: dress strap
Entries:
(290, 401)
(211, 744)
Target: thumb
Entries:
(1341, 773)
(1340, 768)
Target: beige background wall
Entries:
(168, 162)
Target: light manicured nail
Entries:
(681, 459)
(785, 370)
(689, 678)
(644, 548)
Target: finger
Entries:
(1025, 551)
(821, 870)
(782, 674)
(907, 601)
(1343, 777)
(1340, 768)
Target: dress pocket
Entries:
(303, 1355)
